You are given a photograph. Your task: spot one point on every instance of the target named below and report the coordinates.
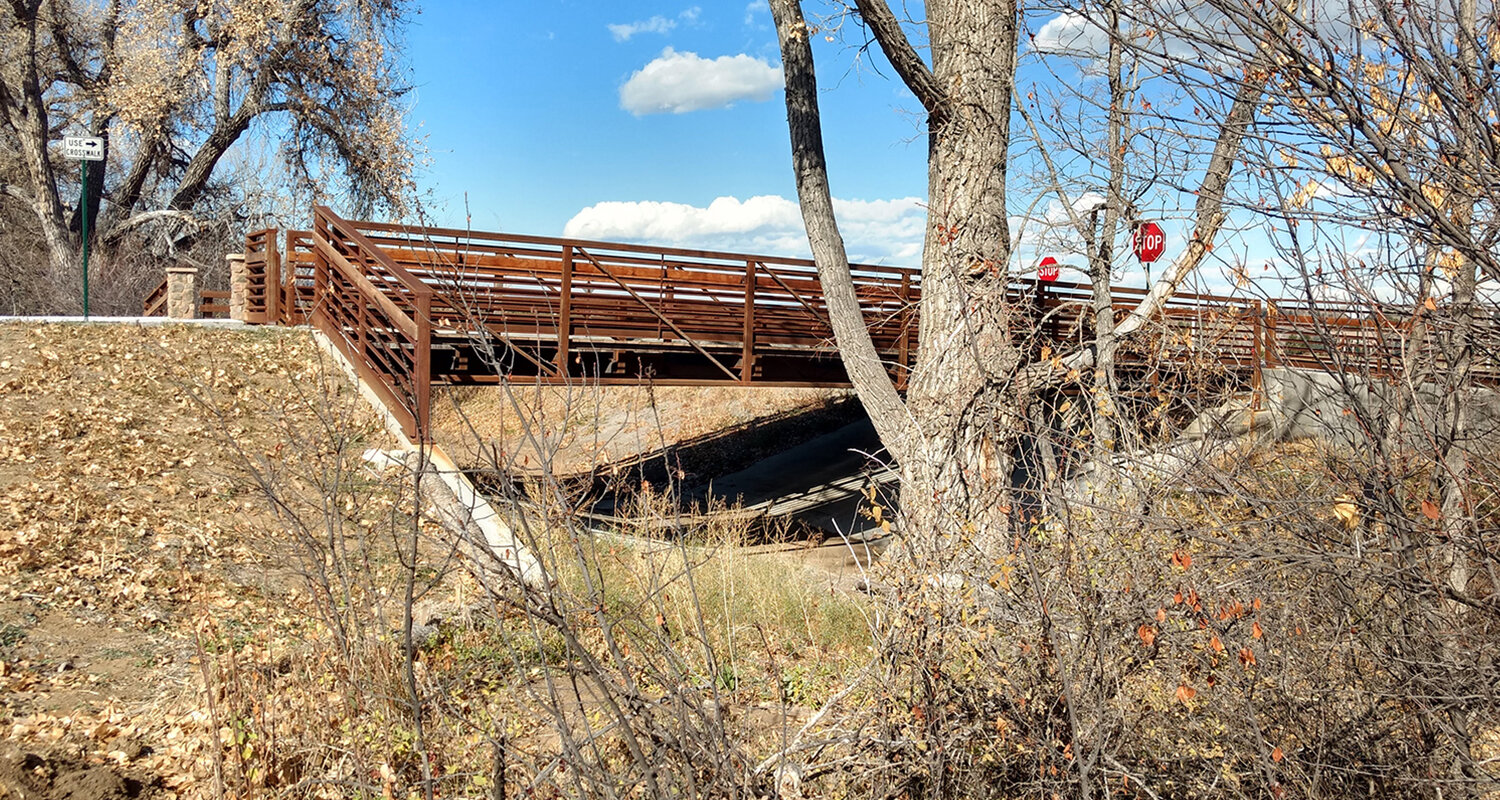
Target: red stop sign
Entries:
(1148, 242)
(1047, 270)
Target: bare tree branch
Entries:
(124, 227)
(1208, 215)
(903, 57)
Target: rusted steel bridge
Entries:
(414, 307)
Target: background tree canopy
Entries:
(179, 89)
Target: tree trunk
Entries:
(968, 412)
(26, 113)
(1101, 258)
(861, 360)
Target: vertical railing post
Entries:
(747, 354)
(565, 310)
(904, 347)
(1258, 353)
(362, 324)
(1269, 348)
(288, 286)
(320, 270)
(271, 291)
(422, 379)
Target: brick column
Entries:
(183, 297)
(239, 286)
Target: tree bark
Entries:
(955, 435)
(969, 412)
(851, 333)
(26, 113)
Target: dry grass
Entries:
(1235, 634)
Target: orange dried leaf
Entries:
(1186, 693)
(1431, 511)
(1213, 642)
(1277, 755)
(1161, 615)
(1255, 630)
(1247, 656)
(1147, 634)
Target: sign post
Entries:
(84, 149)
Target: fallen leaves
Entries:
(120, 517)
(1346, 511)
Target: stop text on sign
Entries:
(1047, 270)
(1148, 242)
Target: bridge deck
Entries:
(414, 307)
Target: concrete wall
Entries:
(1349, 411)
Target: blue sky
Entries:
(525, 112)
(664, 122)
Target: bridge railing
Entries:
(263, 277)
(385, 293)
(377, 314)
(212, 303)
(730, 307)
(297, 278)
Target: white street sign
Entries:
(83, 148)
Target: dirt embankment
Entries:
(126, 542)
(136, 551)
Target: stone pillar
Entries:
(239, 286)
(183, 297)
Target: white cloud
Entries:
(622, 31)
(753, 11)
(888, 231)
(681, 82)
(1071, 33)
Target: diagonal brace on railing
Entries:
(654, 310)
(793, 292)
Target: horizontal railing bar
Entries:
(605, 247)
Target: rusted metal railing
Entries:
(411, 307)
(378, 315)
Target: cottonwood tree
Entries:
(173, 86)
(956, 430)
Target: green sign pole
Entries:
(84, 166)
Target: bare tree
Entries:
(173, 87)
(956, 431)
